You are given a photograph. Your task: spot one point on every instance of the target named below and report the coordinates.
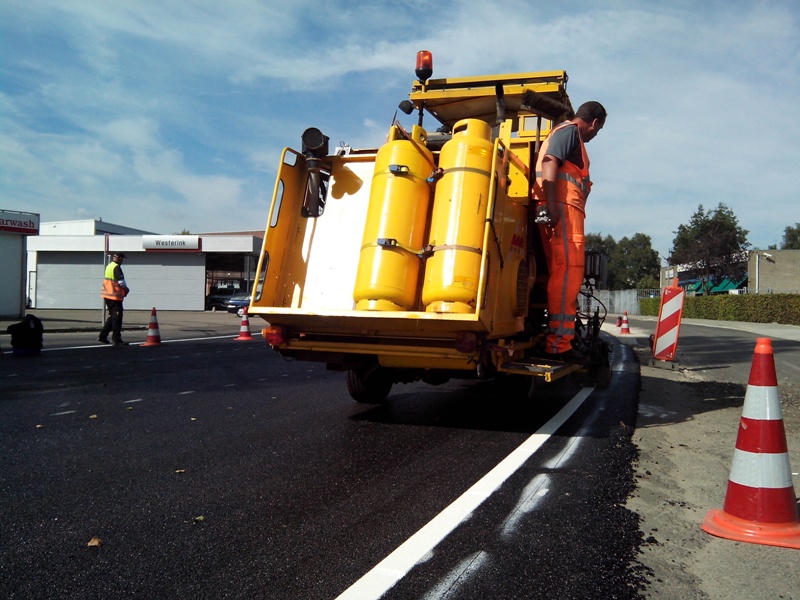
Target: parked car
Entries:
(218, 299)
(238, 302)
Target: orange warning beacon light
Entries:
(424, 68)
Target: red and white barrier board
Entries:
(665, 345)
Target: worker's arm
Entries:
(121, 279)
(550, 166)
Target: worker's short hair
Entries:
(589, 111)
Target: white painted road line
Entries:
(394, 567)
(457, 577)
(98, 346)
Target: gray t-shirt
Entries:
(565, 144)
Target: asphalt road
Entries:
(214, 469)
(724, 351)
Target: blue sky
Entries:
(171, 115)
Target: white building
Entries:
(67, 259)
(14, 227)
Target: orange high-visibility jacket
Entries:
(112, 290)
(573, 183)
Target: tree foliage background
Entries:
(791, 238)
(632, 262)
(711, 246)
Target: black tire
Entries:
(369, 386)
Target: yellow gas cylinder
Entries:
(394, 232)
(457, 224)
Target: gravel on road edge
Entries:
(686, 433)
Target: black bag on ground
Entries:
(27, 335)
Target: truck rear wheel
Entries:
(369, 386)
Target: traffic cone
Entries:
(244, 330)
(760, 503)
(153, 334)
(626, 330)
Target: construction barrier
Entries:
(153, 333)
(665, 344)
(760, 503)
(626, 328)
(244, 329)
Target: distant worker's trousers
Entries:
(113, 322)
(564, 247)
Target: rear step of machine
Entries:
(550, 370)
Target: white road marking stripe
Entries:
(98, 346)
(66, 412)
(391, 569)
(448, 586)
(131, 401)
(533, 493)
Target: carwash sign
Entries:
(172, 243)
(19, 222)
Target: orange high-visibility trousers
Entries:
(564, 247)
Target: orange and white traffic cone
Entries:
(153, 334)
(244, 330)
(760, 503)
(626, 329)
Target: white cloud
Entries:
(178, 111)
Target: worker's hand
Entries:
(543, 216)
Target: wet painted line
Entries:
(99, 346)
(394, 567)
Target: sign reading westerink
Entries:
(172, 243)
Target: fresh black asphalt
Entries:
(214, 469)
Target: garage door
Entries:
(167, 281)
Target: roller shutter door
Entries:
(167, 281)
(69, 280)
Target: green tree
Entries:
(605, 246)
(635, 263)
(712, 246)
(791, 238)
(632, 262)
(649, 282)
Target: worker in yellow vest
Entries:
(560, 191)
(114, 292)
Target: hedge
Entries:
(750, 308)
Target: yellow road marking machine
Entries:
(420, 260)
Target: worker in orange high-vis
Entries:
(114, 291)
(560, 191)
